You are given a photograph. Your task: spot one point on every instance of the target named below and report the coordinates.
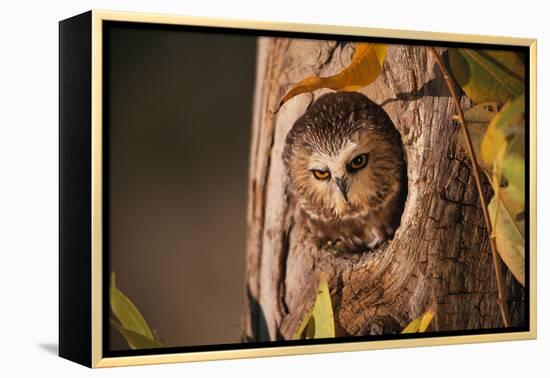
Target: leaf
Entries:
(514, 208)
(126, 312)
(135, 340)
(513, 169)
(508, 123)
(516, 138)
(508, 230)
(503, 146)
(477, 121)
(319, 322)
(157, 336)
(488, 75)
(364, 68)
(421, 323)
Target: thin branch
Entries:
(500, 286)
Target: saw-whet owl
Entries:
(347, 171)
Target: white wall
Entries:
(28, 186)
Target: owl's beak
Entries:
(343, 186)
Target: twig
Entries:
(500, 287)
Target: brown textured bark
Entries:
(439, 255)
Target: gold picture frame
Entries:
(92, 262)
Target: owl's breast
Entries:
(353, 234)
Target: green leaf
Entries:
(513, 169)
(477, 121)
(502, 129)
(421, 323)
(135, 340)
(319, 322)
(516, 138)
(508, 222)
(488, 75)
(127, 313)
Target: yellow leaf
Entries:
(364, 68)
(488, 75)
(493, 147)
(421, 323)
(514, 208)
(516, 138)
(299, 333)
(507, 218)
(502, 128)
(134, 339)
(513, 169)
(319, 322)
(477, 121)
(126, 312)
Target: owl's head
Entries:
(344, 156)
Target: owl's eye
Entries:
(358, 162)
(320, 175)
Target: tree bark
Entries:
(439, 256)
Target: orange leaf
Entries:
(364, 68)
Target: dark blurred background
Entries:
(179, 115)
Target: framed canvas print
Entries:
(237, 188)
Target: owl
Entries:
(347, 173)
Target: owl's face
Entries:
(353, 179)
(344, 157)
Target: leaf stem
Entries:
(498, 274)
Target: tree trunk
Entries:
(438, 257)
